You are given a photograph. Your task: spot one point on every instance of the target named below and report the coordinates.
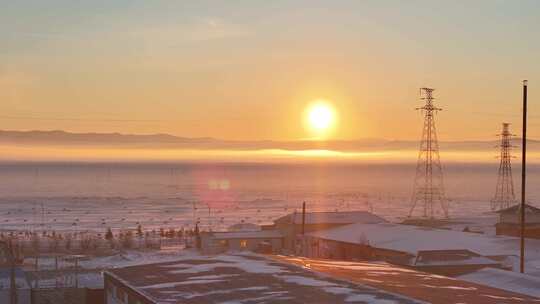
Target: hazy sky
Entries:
(248, 69)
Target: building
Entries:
(267, 241)
(234, 279)
(290, 225)
(314, 246)
(436, 250)
(509, 222)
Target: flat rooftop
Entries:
(410, 283)
(244, 279)
(507, 280)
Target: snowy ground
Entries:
(74, 214)
(94, 196)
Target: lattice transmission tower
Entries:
(428, 193)
(504, 192)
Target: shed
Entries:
(509, 221)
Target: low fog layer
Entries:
(55, 145)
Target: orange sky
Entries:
(248, 70)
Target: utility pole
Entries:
(303, 218)
(428, 182)
(523, 179)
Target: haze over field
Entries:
(57, 145)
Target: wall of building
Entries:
(531, 230)
(118, 293)
(514, 218)
(291, 233)
(216, 246)
(67, 295)
(315, 247)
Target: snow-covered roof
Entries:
(241, 279)
(346, 217)
(466, 261)
(430, 288)
(411, 239)
(263, 234)
(517, 207)
(506, 280)
(451, 257)
(244, 227)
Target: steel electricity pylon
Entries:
(428, 194)
(504, 192)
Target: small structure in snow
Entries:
(452, 262)
(509, 221)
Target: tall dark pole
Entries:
(303, 218)
(523, 176)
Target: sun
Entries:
(320, 116)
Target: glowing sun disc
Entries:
(320, 116)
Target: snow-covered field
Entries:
(86, 196)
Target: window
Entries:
(221, 243)
(243, 244)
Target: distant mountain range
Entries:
(157, 141)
